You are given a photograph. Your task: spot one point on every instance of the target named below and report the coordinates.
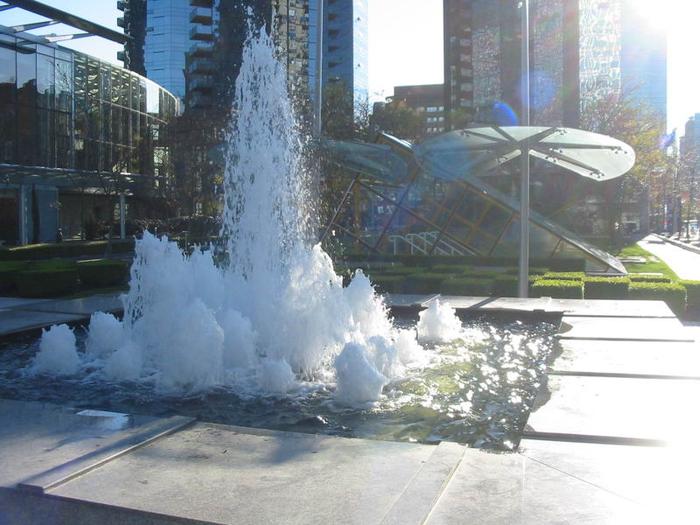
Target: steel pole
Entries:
(318, 103)
(525, 156)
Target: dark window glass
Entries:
(8, 78)
(107, 114)
(92, 155)
(116, 137)
(26, 78)
(8, 131)
(46, 82)
(46, 135)
(63, 134)
(126, 127)
(26, 134)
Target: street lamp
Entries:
(525, 155)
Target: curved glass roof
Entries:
(443, 206)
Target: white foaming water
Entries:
(57, 352)
(438, 324)
(277, 315)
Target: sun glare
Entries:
(659, 14)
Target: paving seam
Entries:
(594, 439)
(631, 339)
(438, 469)
(620, 375)
(45, 481)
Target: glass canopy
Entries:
(429, 199)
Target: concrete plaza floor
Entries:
(611, 439)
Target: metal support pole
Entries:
(318, 124)
(122, 216)
(524, 270)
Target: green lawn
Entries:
(653, 264)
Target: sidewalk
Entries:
(685, 263)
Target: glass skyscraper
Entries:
(582, 51)
(345, 50)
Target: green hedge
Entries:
(467, 286)
(606, 287)
(424, 282)
(649, 279)
(35, 252)
(454, 269)
(564, 276)
(101, 273)
(674, 294)
(400, 270)
(692, 289)
(47, 283)
(564, 289)
(8, 273)
(534, 270)
(505, 286)
(388, 283)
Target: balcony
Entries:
(198, 100)
(203, 33)
(202, 84)
(122, 5)
(202, 3)
(201, 51)
(201, 67)
(120, 21)
(201, 15)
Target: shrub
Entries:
(467, 286)
(564, 276)
(534, 270)
(388, 283)
(8, 272)
(101, 273)
(47, 283)
(649, 278)
(567, 265)
(506, 286)
(606, 287)
(424, 282)
(563, 289)
(692, 289)
(453, 269)
(400, 270)
(35, 252)
(672, 293)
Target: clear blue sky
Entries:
(405, 39)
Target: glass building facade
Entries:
(67, 119)
(402, 199)
(345, 50)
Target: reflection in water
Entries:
(477, 390)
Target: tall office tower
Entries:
(581, 51)
(345, 50)
(161, 32)
(644, 61)
(194, 47)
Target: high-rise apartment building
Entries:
(345, 48)
(580, 52)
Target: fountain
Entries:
(271, 337)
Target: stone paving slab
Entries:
(84, 306)
(660, 478)
(17, 302)
(512, 489)
(644, 358)
(609, 308)
(15, 321)
(234, 475)
(41, 443)
(408, 300)
(574, 327)
(612, 409)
